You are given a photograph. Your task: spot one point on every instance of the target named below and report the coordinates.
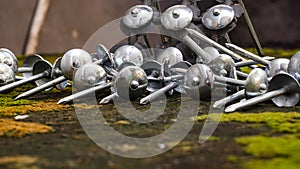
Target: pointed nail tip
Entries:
(218, 105)
(144, 102)
(60, 102)
(229, 109)
(17, 98)
(102, 102)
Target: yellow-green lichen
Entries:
(19, 162)
(276, 52)
(278, 121)
(17, 109)
(278, 152)
(11, 128)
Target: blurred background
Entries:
(70, 23)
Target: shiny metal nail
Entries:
(69, 64)
(137, 16)
(171, 55)
(202, 37)
(277, 66)
(84, 93)
(218, 17)
(198, 81)
(248, 54)
(130, 83)
(153, 96)
(89, 75)
(7, 75)
(294, 66)
(128, 53)
(108, 99)
(282, 94)
(177, 17)
(41, 74)
(9, 58)
(27, 65)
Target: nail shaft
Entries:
(41, 88)
(215, 44)
(256, 100)
(242, 74)
(158, 93)
(24, 69)
(247, 54)
(83, 93)
(108, 99)
(237, 96)
(229, 81)
(196, 48)
(24, 81)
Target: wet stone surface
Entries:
(257, 137)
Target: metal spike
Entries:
(41, 88)
(242, 74)
(198, 35)
(24, 81)
(197, 49)
(83, 93)
(158, 93)
(236, 96)
(229, 80)
(108, 99)
(252, 62)
(276, 88)
(248, 54)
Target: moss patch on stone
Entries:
(19, 109)
(11, 128)
(276, 52)
(278, 152)
(278, 121)
(19, 162)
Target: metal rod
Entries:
(24, 69)
(158, 93)
(256, 100)
(108, 99)
(24, 81)
(251, 29)
(247, 54)
(196, 48)
(242, 74)
(19, 77)
(83, 93)
(198, 35)
(41, 88)
(230, 81)
(236, 96)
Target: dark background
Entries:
(70, 23)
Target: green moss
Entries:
(272, 152)
(7, 101)
(278, 121)
(232, 159)
(276, 52)
(210, 138)
(246, 69)
(15, 109)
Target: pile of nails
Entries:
(193, 56)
